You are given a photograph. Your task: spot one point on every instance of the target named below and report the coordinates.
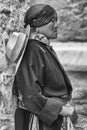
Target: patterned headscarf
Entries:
(39, 15)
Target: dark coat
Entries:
(43, 83)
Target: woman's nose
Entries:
(56, 24)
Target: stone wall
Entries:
(72, 20)
(11, 19)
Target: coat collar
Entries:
(40, 37)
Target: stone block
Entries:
(72, 22)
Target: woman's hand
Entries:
(67, 110)
(70, 111)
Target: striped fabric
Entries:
(33, 122)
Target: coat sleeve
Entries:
(32, 75)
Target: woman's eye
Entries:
(54, 20)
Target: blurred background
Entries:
(71, 46)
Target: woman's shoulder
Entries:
(33, 42)
(35, 45)
(34, 50)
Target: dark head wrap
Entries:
(39, 15)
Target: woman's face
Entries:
(50, 29)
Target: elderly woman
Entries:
(41, 84)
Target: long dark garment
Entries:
(22, 119)
(43, 85)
